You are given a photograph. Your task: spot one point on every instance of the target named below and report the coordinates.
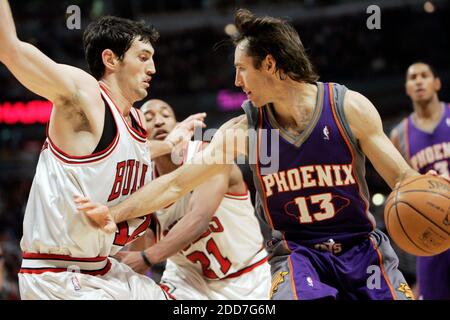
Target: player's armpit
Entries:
(366, 126)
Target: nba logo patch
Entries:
(326, 133)
(76, 282)
(309, 281)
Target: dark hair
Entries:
(116, 34)
(268, 35)
(431, 67)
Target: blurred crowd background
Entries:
(194, 63)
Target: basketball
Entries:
(417, 215)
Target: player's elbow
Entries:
(174, 191)
(9, 50)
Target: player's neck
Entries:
(430, 110)
(114, 91)
(295, 104)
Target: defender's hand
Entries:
(98, 215)
(434, 173)
(184, 130)
(133, 259)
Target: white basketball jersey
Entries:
(231, 245)
(52, 224)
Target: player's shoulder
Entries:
(82, 77)
(356, 105)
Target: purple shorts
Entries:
(365, 270)
(433, 276)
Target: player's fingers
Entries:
(96, 209)
(191, 124)
(198, 123)
(110, 227)
(85, 207)
(80, 199)
(199, 116)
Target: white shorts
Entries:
(119, 283)
(185, 283)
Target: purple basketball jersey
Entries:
(429, 150)
(317, 192)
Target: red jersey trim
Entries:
(139, 136)
(68, 259)
(70, 159)
(246, 269)
(64, 157)
(41, 256)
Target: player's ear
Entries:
(437, 84)
(269, 63)
(109, 59)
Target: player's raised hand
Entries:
(98, 214)
(184, 130)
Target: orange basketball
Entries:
(417, 215)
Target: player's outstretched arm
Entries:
(36, 71)
(169, 188)
(366, 125)
(203, 204)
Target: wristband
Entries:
(144, 257)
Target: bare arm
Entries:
(160, 148)
(203, 204)
(395, 139)
(171, 187)
(32, 68)
(366, 125)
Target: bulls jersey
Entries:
(310, 187)
(232, 244)
(52, 224)
(427, 150)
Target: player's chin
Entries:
(142, 93)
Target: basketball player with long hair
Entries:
(310, 185)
